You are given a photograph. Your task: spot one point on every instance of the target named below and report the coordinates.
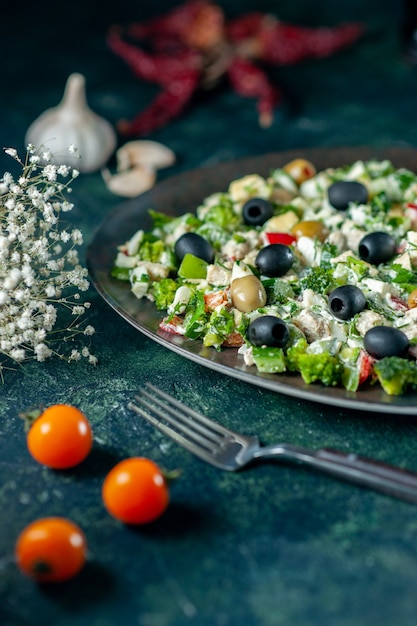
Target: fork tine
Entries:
(200, 422)
(178, 420)
(175, 419)
(193, 446)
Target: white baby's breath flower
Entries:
(50, 291)
(75, 355)
(40, 276)
(46, 155)
(11, 152)
(77, 237)
(18, 354)
(9, 204)
(42, 352)
(64, 170)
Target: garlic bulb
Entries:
(72, 122)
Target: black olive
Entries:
(377, 247)
(343, 192)
(381, 341)
(346, 301)
(268, 330)
(256, 211)
(191, 243)
(274, 260)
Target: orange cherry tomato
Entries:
(61, 437)
(51, 549)
(135, 491)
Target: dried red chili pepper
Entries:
(297, 43)
(179, 76)
(192, 46)
(250, 81)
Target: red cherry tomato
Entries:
(51, 549)
(61, 437)
(284, 238)
(135, 491)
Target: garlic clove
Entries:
(130, 183)
(73, 123)
(151, 153)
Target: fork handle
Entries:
(382, 477)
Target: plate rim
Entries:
(315, 393)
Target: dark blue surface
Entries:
(276, 546)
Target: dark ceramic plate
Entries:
(185, 192)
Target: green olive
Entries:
(248, 293)
(300, 170)
(310, 228)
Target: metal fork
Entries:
(231, 451)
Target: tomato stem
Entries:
(30, 416)
(171, 475)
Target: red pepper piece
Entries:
(284, 238)
(173, 326)
(365, 366)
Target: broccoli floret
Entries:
(323, 367)
(224, 216)
(163, 291)
(328, 252)
(220, 325)
(319, 279)
(156, 252)
(396, 374)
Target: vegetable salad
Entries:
(305, 271)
